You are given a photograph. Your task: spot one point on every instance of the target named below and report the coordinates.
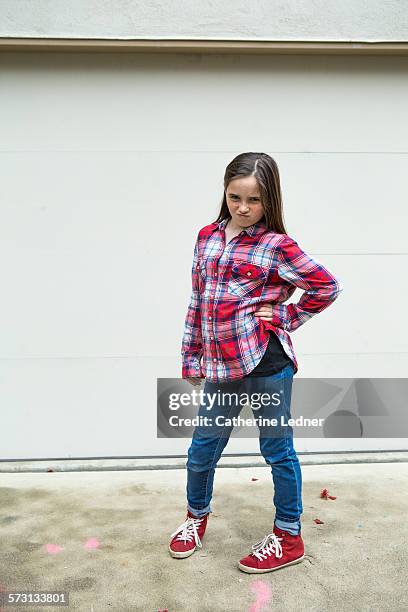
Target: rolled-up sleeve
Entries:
(320, 286)
(192, 346)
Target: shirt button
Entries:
(211, 337)
(210, 317)
(197, 267)
(214, 360)
(248, 273)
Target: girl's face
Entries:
(244, 201)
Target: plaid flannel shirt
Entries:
(230, 282)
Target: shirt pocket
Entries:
(246, 279)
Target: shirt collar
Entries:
(251, 230)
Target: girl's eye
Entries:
(233, 197)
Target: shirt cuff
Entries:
(191, 367)
(280, 316)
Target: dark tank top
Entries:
(274, 359)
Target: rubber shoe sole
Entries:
(254, 570)
(180, 554)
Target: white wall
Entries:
(109, 165)
(325, 20)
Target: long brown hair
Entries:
(265, 170)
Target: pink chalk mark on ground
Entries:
(263, 594)
(53, 549)
(92, 543)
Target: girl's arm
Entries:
(192, 348)
(300, 269)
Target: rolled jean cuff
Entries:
(199, 513)
(291, 527)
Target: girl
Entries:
(245, 266)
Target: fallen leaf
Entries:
(324, 493)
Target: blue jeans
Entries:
(276, 445)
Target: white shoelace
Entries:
(268, 546)
(188, 529)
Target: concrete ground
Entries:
(107, 534)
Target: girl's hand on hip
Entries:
(265, 312)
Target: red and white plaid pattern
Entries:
(229, 283)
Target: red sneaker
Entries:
(187, 538)
(277, 549)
